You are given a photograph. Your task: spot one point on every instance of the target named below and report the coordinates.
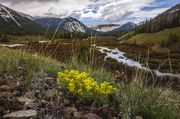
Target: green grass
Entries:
(99, 73)
(126, 36)
(35, 63)
(150, 102)
(149, 39)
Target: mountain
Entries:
(52, 23)
(105, 27)
(168, 19)
(71, 24)
(124, 27)
(14, 22)
(68, 24)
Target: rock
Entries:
(138, 117)
(61, 94)
(28, 102)
(29, 94)
(114, 118)
(51, 93)
(105, 111)
(50, 105)
(8, 77)
(67, 102)
(91, 116)
(77, 115)
(70, 110)
(4, 88)
(21, 114)
(37, 91)
(24, 99)
(2, 81)
(48, 78)
(16, 93)
(10, 103)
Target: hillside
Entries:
(13, 22)
(150, 39)
(168, 19)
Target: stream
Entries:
(121, 58)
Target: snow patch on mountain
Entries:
(10, 15)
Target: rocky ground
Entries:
(44, 99)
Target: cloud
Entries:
(106, 10)
(23, 1)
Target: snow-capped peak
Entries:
(71, 24)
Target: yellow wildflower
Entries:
(71, 87)
(80, 83)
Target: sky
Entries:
(93, 12)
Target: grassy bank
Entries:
(19, 62)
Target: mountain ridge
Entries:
(14, 22)
(68, 24)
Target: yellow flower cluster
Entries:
(81, 83)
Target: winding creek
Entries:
(121, 58)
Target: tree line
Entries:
(69, 35)
(163, 21)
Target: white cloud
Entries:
(108, 10)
